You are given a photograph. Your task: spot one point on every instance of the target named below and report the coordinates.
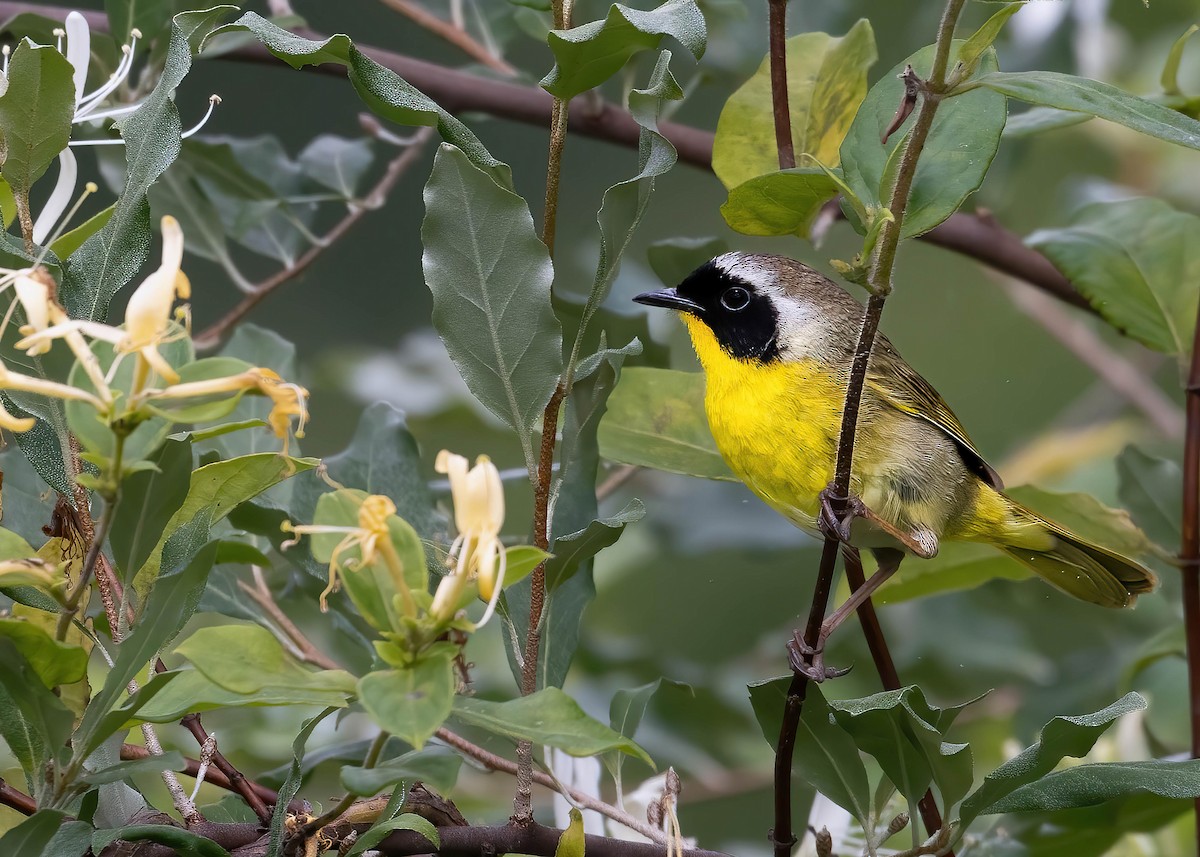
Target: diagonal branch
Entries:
(979, 238)
(456, 36)
(212, 335)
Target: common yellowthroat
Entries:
(776, 340)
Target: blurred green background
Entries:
(707, 587)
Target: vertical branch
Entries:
(523, 800)
(777, 24)
(1189, 553)
(879, 283)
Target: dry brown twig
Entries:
(453, 34)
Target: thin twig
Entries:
(261, 595)
(456, 36)
(879, 282)
(1189, 552)
(214, 777)
(213, 334)
(237, 780)
(17, 799)
(1116, 370)
(75, 594)
(616, 480)
(777, 40)
(499, 763)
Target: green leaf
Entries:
(547, 717)
(1062, 736)
(780, 203)
(1090, 785)
(411, 703)
(572, 843)
(1068, 92)
(379, 832)
(625, 203)
(1149, 488)
(31, 837)
(172, 760)
(54, 663)
(965, 565)
(384, 92)
(437, 767)
(110, 258)
(169, 606)
(370, 585)
(490, 276)
(183, 842)
(972, 50)
(149, 16)
(1170, 72)
(191, 690)
(904, 734)
(960, 147)
(825, 756)
(571, 551)
(1136, 261)
(37, 724)
(587, 55)
(672, 259)
(148, 500)
(827, 79)
(244, 658)
(36, 108)
(291, 784)
(215, 490)
(656, 419)
(1035, 120)
(69, 242)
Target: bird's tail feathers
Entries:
(1081, 568)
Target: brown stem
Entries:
(237, 780)
(1189, 552)
(212, 335)
(445, 30)
(777, 29)
(931, 817)
(461, 92)
(261, 595)
(17, 799)
(214, 777)
(879, 282)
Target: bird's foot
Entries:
(809, 660)
(837, 513)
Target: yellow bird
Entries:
(776, 340)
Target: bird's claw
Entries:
(809, 661)
(837, 513)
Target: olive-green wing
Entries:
(903, 388)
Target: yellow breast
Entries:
(776, 424)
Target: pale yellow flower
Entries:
(148, 315)
(287, 399)
(478, 496)
(369, 537)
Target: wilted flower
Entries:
(478, 496)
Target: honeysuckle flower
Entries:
(147, 316)
(287, 399)
(41, 386)
(478, 496)
(14, 423)
(371, 537)
(88, 108)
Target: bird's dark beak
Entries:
(670, 299)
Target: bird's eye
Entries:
(735, 298)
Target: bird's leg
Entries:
(810, 660)
(838, 512)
